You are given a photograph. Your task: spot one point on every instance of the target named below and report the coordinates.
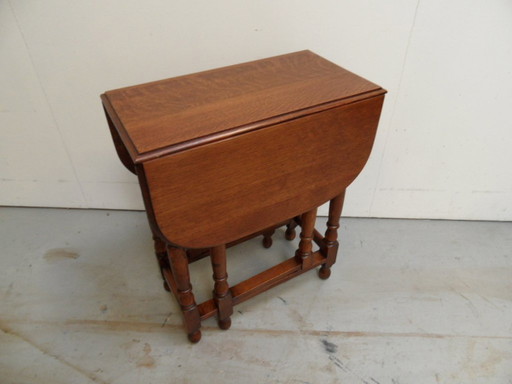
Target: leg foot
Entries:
(225, 323)
(194, 337)
(267, 238)
(290, 230)
(290, 234)
(330, 242)
(221, 292)
(179, 268)
(324, 273)
(161, 254)
(304, 252)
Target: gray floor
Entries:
(409, 301)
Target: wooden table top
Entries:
(170, 115)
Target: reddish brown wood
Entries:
(221, 292)
(272, 277)
(120, 135)
(246, 95)
(318, 238)
(197, 254)
(262, 169)
(121, 150)
(330, 241)
(227, 154)
(267, 237)
(161, 257)
(290, 229)
(261, 282)
(148, 204)
(179, 267)
(305, 249)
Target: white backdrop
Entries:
(444, 146)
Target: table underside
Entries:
(259, 283)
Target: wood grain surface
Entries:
(159, 117)
(219, 192)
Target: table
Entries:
(227, 154)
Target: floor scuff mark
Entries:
(57, 254)
(329, 347)
(166, 319)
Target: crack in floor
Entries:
(91, 376)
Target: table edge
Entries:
(141, 157)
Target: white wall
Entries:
(444, 147)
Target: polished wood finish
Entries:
(306, 239)
(290, 230)
(231, 100)
(267, 237)
(179, 267)
(221, 292)
(121, 149)
(232, 153)
(330, 241)
(261, 282)
(161, 257)
(264, 167)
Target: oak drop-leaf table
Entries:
(231, 153)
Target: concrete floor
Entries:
(409, 301)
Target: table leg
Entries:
(304, 252)
(267, 238)
(221, 292)
(161, 256)
(330, 246)
(290, 230)
(179, 266)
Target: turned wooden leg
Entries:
(161, 256)
(330, 241)
(290, 230)
(267, 237)
(304, 252)
(221, 293)
(179, 266)
(161, 253)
